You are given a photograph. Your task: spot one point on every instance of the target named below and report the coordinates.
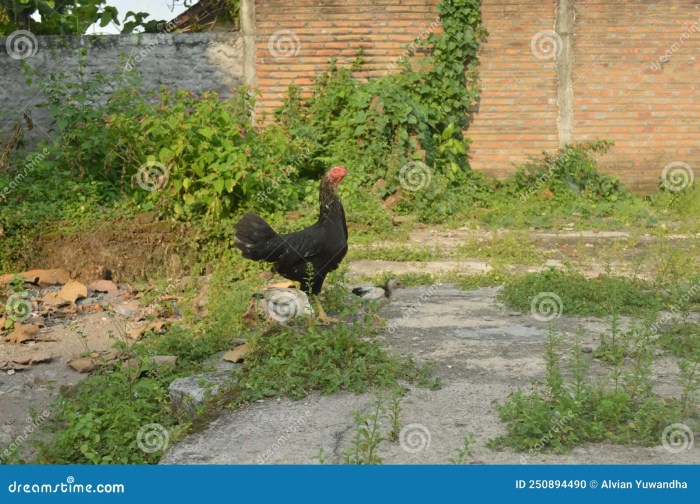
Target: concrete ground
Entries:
(482, 352)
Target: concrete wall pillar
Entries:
(564, 29)
(248, 33)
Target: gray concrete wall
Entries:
(196, 61)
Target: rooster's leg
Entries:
(320, 312)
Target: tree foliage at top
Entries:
(65, 17)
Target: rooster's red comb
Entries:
(337, 173)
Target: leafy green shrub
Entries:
(213, 157)
(564, 189)
(572, 170)
(181, 153)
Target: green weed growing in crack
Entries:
(465, 452)
(426, 378)
(578, 367)
(575, 407)
(552, 357)
(601, 296)
(611, 348)
(394, 413)
(367, 438)
(681, 339)
(689, 380)
(16, 283)
(368, 435)
(637, 380)
(291, 361)
(320, 456)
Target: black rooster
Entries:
(306, 256)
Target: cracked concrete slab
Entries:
(482, 352)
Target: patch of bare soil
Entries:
(54, 332)
(131, 250)
(30, 391)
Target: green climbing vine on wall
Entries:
(405, 129)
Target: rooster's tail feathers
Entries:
(253, 236)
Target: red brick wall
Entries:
(622, 93)
(304, 34)
(518, 108)
(621, 89)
